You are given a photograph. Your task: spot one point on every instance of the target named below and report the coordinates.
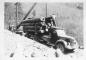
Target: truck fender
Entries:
(61, 41)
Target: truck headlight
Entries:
(46, 29)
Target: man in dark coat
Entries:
(50, 21)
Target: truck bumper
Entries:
(74, 47)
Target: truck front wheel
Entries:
(61, 47)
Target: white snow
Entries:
(23, 48)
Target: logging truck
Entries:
(44, 29)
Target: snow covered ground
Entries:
(18, 47)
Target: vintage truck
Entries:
(45, 30)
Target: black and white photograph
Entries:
(38, 30)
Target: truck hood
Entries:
(62, 33)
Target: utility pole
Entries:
(34, 13)
(16, 12)
(46, 9)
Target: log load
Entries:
(36, 20)
(30, 22)
(30, 28)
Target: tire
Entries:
(61, 47)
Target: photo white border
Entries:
(2, 17)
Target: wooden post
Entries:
(46, 9)
(16, 12)
(34, 14)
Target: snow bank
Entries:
(21, 48)
(15, 43)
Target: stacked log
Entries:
(30, 28)
(36, 20)
(31, 25)
(28, 24)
